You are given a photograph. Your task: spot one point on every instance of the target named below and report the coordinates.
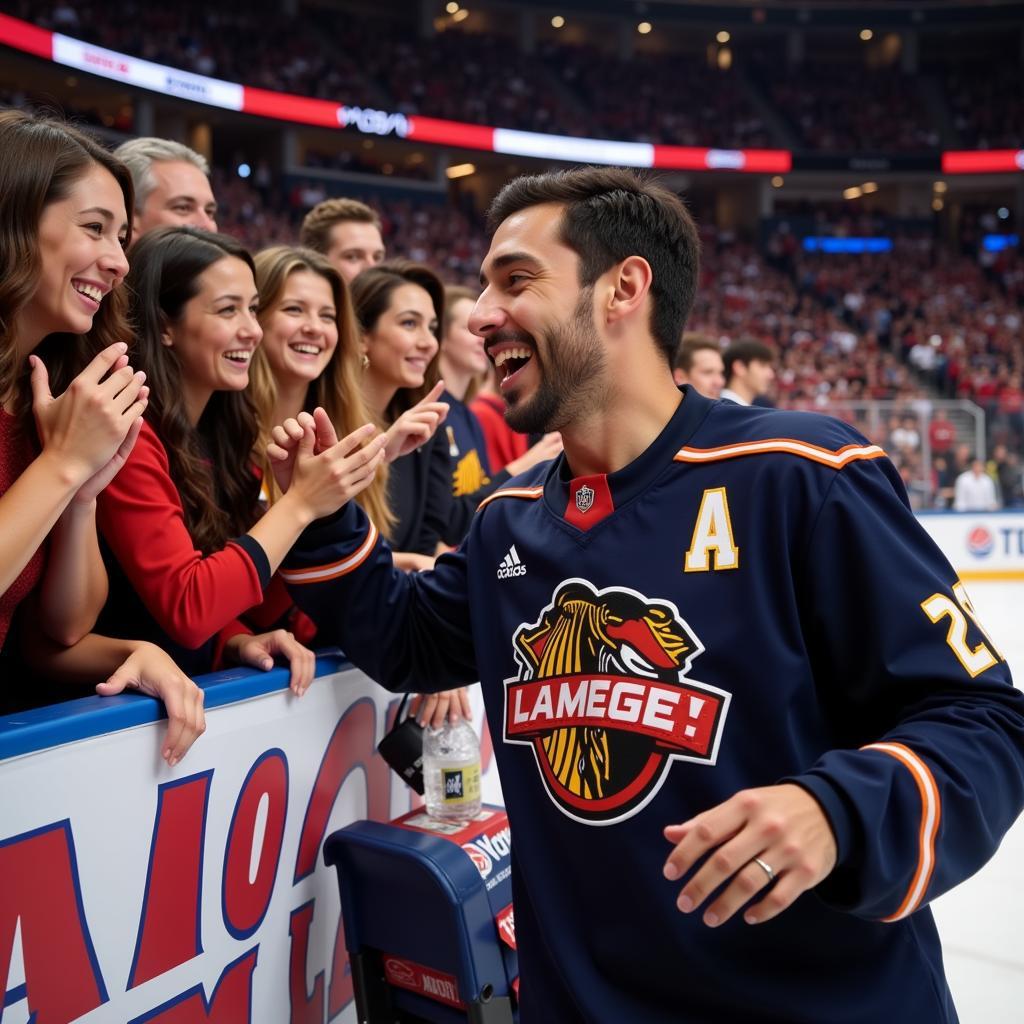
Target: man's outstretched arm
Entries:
(408, 631)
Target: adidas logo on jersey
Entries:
(510, 565)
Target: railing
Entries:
(927, 469)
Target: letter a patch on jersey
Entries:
(713, 533)
(603, 699)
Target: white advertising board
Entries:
(983, 546)
(134, 892)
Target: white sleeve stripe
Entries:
(319, 573)
(931, 812)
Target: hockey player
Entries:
(703, 623)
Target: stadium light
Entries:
(832, 245)
(866, 35)
(723, 37)
(997, 243)
(644, 27)
(557, 21)
(460, 170)
(853, 193)
(460, 15)
(868, 187)
(452, 7)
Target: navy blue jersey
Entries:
(472, 480)
(467, 448)
(750, 601)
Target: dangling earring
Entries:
(364, 362)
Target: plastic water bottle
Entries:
(451, 772)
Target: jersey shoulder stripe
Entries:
(524, 493)
(786, 446)
(931, 813)
(332, 570)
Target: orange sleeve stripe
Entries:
(331, 571)
(787, 446)
(526, 493)
(931, 815)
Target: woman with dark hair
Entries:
(399, 306)
(65, 208)
(183, 521)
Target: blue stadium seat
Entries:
(420, 913)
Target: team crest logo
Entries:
(603, 699)
(584, 498)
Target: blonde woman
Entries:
(310, 362)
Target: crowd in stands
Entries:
(919, 324)
(833, 110)
(985, 101)
(672, 100)
(351, 347)
(571, 90)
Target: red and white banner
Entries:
(131, 892)
(215, 92)
(29, 38)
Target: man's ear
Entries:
(630, 285)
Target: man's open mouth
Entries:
(511, 360)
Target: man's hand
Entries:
(782, 826)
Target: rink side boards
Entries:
(983, 546)
(133, 892)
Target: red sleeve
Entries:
(141, 518)
(503, 443)
(277, 610)
(233, 628)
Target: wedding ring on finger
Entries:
(765, 867)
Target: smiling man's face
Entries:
(538, 323)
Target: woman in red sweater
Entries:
(191, 550)
(64, 223)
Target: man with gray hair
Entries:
(172, 185)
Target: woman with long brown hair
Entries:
(309, 362)
(65, 208)
(308, 358)
(191, 549)
(399, 306)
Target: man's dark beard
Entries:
(573, 365)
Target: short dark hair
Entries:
(746, 351)
(689, 347)
(612, 213)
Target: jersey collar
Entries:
(583, 502)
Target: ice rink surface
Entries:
(982, 921)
